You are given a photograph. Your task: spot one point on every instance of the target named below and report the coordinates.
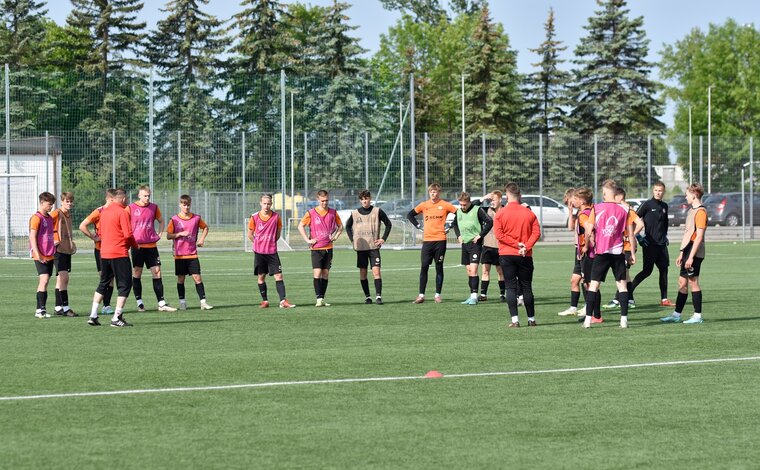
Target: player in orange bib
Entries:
(434, 212)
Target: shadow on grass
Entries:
(178, 322)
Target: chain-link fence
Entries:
(74, 132)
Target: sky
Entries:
(665, 21)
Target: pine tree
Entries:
(493, 104)
(263, 48)
(22, 30)
(547, 87)
(186, 50)
(612, 92)
(344, 108)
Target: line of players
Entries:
(501, 236)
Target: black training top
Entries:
(655, 216)
(383, 219)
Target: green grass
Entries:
(678, 416)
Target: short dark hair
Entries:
(185, 199)
(322, 193)
(464, 196)
(620, 192)
(365, 194)
(585, 195)
(513, 189)
(660, 184)
(47, 197)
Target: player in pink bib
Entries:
(606, 228)
(264, 229)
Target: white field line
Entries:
(372, 379)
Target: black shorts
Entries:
(627, 259)
(517, 267)
(603, 263)
(44, 267)
(183, 267)
(471, 253)
(97, 259)
(366, 258)
(147, 257)
(432, 251)
(696, 264)
(119, 269)
(587, 264)
(577, 269)
(266, 264)
(62, 262)
(489, 255)
(321, 259)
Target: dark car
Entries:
(677, 209)
(726, 209)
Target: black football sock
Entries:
(379, 287)
(181, 291)
(473, 284)
(201, 291)
(58, 298)
(574, 298)
(365, 286)
(280, 289)
(263, 291)
(107, 296)
(65, 298)
(137, 287)
(502, 287)
(681, 301)
(324, 287)
(484, 287)
(696, 300)
(41, 298)
(158, 288)
(318, 287)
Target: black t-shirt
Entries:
(654, 213)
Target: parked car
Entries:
(726, 209)
(554, 213)
(635, 203)
(677, 209)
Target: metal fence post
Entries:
(113, 157)
(242, 169)
(401, 147)
(596, 167)
(412, 142)
(282, 138)
(751, 189)
(179, 165)
(541, 180)
(649, 163)
(7, 161)
(463, 140)
(292, 160)
(366, 160)
(483, 151)
(427, 183)
(701, 163)
(151, 144)
(47, 162)
(305, 167)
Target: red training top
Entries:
(115, 232)
(513, 224)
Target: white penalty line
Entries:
(372, 379)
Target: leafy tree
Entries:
(726, 57)
(546, 91)
(422, 11)
(612, 92)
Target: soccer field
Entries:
(343, 387)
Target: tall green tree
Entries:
(21, 31)
(263, 48)
(421, 11)
(546, 90)
(726, 57)
(612, 91)
(186, 49)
